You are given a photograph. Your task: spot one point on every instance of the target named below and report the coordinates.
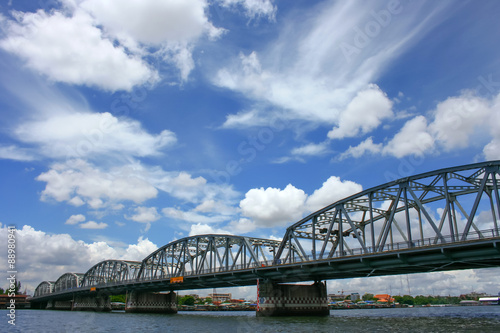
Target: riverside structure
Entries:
(446, 219)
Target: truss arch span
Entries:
(211, 253)
(68, 281)
(445, 206)
(44, 288)
(111, 271)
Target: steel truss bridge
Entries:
(442, 220)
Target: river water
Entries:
(435, 319)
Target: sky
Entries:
(128, 124)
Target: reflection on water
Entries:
(446, 319)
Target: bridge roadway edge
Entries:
(441, 257)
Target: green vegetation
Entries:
(186, 300)
(425, 300)
(118, 298)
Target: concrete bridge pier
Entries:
(98, 303)
(62, 305)
(291, 299)
(144, 302)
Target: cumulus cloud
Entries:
(272, 206)
(192, 216)
(75, 219)
(139, 251)
(253, 8)
(144, 215)
(366, 146)
(456, 123)
(72, 50)
(71, 135)
(412, 139)
(202, 229)
(314, 81)
(105, 44)
(311, 149)
(456, 119)
(363, 114)
(83, 181)
(93, 225)
(332, 190)
(51, 255)
(16, 153)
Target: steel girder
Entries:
(207, 254)
(68, 281)
(110, 271)
(439, 207)
(44, 288)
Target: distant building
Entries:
(384, 298)
(472, 296)
(20, 301)
(220, 297)
(335, 297)
(493, 300)
(355, 297)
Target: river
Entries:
(435, 319)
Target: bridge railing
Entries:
(415, 244)
(421, 243)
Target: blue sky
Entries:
(128, 124)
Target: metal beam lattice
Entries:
(205, 254)
(439, 207)
(111, 271)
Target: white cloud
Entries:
(272, 206)
(75, 219)
(412, 139)
(457, 118)
(364, 147)
(77, 178)
(241, 226)
(192, 216)
(106, 44)
(71, 135)
(93, 225)
(253, 8)
(51, 255)
(305, 76)
(139, 251)
(311, 149)
(15, 153)
(332, 190)
(152, 21)
(203, 229)
(72, 50)
(456, 123)
(144, 215)
(363, 114)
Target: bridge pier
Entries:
(291, 299)
(62, 305)
(144, 302)
(98, 303)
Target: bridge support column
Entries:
(144, 302)
(50, 305)
(63, 305)
(38, 305)
(291, 299)
(92, 303)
